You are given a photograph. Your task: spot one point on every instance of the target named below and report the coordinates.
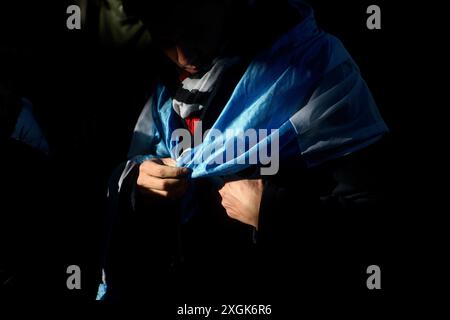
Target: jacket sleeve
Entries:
(326, 203)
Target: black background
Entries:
(88, 97)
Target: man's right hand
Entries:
(161, 178)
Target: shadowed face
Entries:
(179, 57)
(191, 33)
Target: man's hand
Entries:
(241, 199)
(161, 178)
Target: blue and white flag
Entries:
(305, 93)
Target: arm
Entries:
(298, 202)
(150, 172)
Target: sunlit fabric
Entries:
(305, 89)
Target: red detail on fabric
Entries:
(191, 123)
(183, 75)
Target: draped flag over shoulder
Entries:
(305, 91)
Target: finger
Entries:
(232, 213)
(162, 171)
(224, 194)
(164, 194)
(169, 162)
(168, 184)
(171, 194)
(224, 188)
(226, 204)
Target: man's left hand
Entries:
(241, 200)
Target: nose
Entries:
(182, 59)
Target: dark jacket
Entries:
(318, 228)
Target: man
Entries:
(236, 66)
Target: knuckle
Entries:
(160, 171)
(225, 205)
(167, 194)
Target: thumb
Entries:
(169, 162)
